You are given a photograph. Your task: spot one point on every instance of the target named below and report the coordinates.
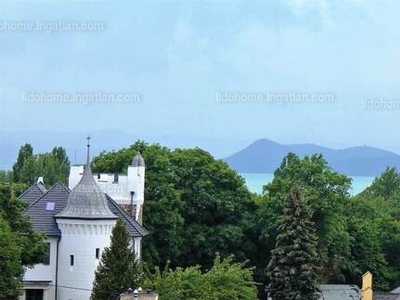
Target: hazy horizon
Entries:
(108, 140)
(213, 74)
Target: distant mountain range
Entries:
(265, 156)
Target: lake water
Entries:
(255, 182)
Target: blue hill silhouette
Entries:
(265, 156)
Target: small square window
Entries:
(50, 205)
(34, 294)
(71, 260)
(97, 253)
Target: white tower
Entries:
(126, 189)
(85, 224)
(136, 173)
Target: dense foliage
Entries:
(53, 166)
(118, 269)
(25, 152)
(6, 176)
(195, 205)
(374, 224)
(203, 207)
(327, 194)
(11, 269)
(293, 267)
(20, 245)
(226, 280)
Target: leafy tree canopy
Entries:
(200, 203)
(327, 194)
(10, 266)
(25, 152)
(52, 166)
(374, 224)
(20, 245)
(6, 176)
(226, 280)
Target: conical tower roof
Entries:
(87, 200)
(138, 160)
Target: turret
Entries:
(86, 224)
(136, 174)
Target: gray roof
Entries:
(134, 228)
(385, 296)
(138, 160)
(340, 292)
(87, 200)
(44, 220)
(33, 193)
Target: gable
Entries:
(33, 193)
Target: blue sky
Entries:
(177, 55)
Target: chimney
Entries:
(366, 288)
(40, 180)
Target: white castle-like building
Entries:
(78, 221)
(126, 190)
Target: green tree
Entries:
(292, 269)
(20, 246)
(327, 194)
(6, 176)
(118, 269)
(28, 172)
(59, 165)
(387, 185)
(25, 152)
(374, 224)
(229, 280)
(371, 227)
(226, 280)
(201, 204)
(163, 201)
(10, 266)
(52, 166)
(31, 243)
(217, 207)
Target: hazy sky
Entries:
(178, 55)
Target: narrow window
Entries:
(116, 177)
(46, 258)
(97, 253)
(71, 260)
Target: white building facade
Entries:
(78, 224)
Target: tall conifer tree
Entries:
(118, 270)
(292, 269)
